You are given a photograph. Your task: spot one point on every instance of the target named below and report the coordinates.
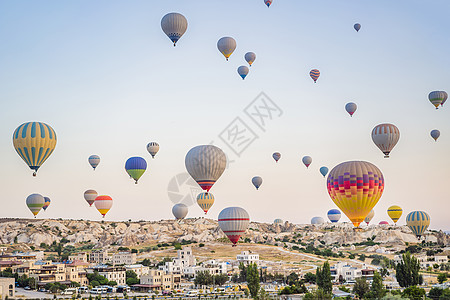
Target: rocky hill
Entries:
(34, 232)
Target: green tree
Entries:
(361, 287)
(323, 275)
(310, 277)
(203, 278)
(317, 295)
(220, 279)
(292, 278)
(435, 293)
(445, 295)
(413, 293)
(242, 272)
(442, 277)
(407, 271)
(131, 278)
(253, 279)
(146, 262)
(377, 290)
(112, 283)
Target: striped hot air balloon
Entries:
(435, 134)
(369, 217)
(385, 136)
(445, 98)
(418, 222)
(351, 108)
(314, 73)
(135, 167)
(276, 156)
(267, 2)
(35, 202)
(278, 221)
(90, 196)
(94, 160)
(317, 221)
(46, 203)
(205, 164)
(250, 58)
(103, 203)
(153, 148)
(395, 212)
(226, 46)
(334, 215)
(205, 201)
(355, 187)
(174, 26)
(34, 142)
(437, 97)
(180, 211)
(257, 181)
(234, 222)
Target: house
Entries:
(185, 259)
(157, 280)
(76, 272)
(99, 256)
(213, 267)
(116, 274)
(344, 272)
(248, 257)
(7, 289)
(139, 269)
(82, 256)
(425, 261)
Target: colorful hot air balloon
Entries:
(435, 134)
(355, 187)
(267, 2)
(179, 211)
(90, 196)
(243, 71)
(418, 222)
(385, 136)
(205, 164)
(174, 26)
(357, 27)
(205, 201)
(445, 98)
(46, 203)
(94, 160)
(278, 221)
(395, 212)
(383, 223)
(257, 181)
(135, 167)
(226, 46)
(351, 108)
(307, 160)
(34, 142)
(276, 156)
(250, 58)
(334, 215)
(153, 148)
(234, 222)
(317, 221)
(323, 171)
(369, 217)
(103, 203)
(35, 202)
(314, 74)
(437, 97)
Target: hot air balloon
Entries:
(257, 181)
(46, 203)
(205, 164)
(205, 201)
(351, 108)
(307, 160)
(234, 222)
(90, 196)
(226, 46)
(135, 167)
(250, 58)
(383, 223)
(395, 212)
(34, 142)
(355, 187)
(435, 134)
(174, 26)
(314, 74)
(357, 27)
(243, 71)
(437, 97)
(317, 221)
(418, 222)
(276, 156)
(385, 136)
(323, 171)
(35, 202)
(369, 217)
(94, 160)
(153, 148)
(267, 2)
(278, 221)
(103, 203)
(445, 98)
(179, 211)
(334, 215)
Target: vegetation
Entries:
(131, 278)
(413, 293)
(205, 278)
(323, 278)
(361, 287)
(407, 271)
(253, 279)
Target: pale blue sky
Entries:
(107, 79)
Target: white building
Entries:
(185, 259)
(124, 258)
(139, 269)
(159, 281)
(99, 256)
(214, 267)
(117, 274)
(248, 257)
(7, 288)
(425, 261)
(79, 257)
(345, 272)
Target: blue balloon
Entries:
(323, 171)
(334, 215)
(135, 167)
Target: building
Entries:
(116, 274)
(139, 269)
(157, 280)
(213, 267)
(76, 271)
(185, 259)
(425, 261)
(48, 273)
(248, 257)
(99, 256)
(7, 288)
(343, 272)
(124, 258)
(82, 256)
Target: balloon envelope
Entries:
(445, 98)
(90, 196)
(355, 187)
(317, 221)
(268, 2)
(226, 46)
(34, 142)
(278, 221)
(395, 212)
(257, 181)
(418, 222)
(323, 171)
(357, 27)
(250, 58)
(334, 215)
(153, 148)
(369, 217)
(243, 71)
(437, 97)
(103, 203)
(383, 223)
(307, 160)
(435, 134)
(35, 202)
(351, 108)
(385, 136)
(276, 156)
(314, 73)
(135, 167)
(205, 201)
(46, 203)
(174, 26)
(234, 222)
(179, 211)
(94, 160)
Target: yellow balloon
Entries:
(34, 142)
(205, 201)
(395, 212)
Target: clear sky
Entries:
(108, 80)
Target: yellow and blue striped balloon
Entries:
(395, 212)
(34, 142)
(418, 222)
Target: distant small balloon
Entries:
(94, 161)
(46, 203)
(323, 171)
(445, 98)
(268, 2)
(205, 201)
(357, 27)
(276, 156)
(90, 196)
(226, 46)
(435, 134)
(103, 203)
(385, 137)
(418, 222)
(351, 108)
(334, 215)
(35, 202)
(369, 217)
(180, 211)
(250, 58)
(307, 160)
(174, 26)
(383, 223)
(437, 97)
(153, 148)
(278, 221)
(257, 181)
(314, 74)
(243, 71)
(317, 221)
